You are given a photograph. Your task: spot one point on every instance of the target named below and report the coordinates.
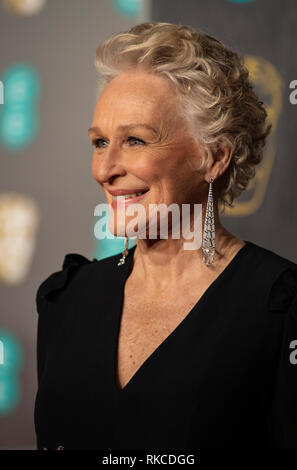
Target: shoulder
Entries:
(279, 274)
(71, 265)
(269, 258)
(270, 277)
(76, 274)
(267, 264)
(283, 292)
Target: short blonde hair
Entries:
(212, 83)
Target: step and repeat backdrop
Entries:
(265, 33)
(48, 88)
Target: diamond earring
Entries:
(124, 253)
(208, 243)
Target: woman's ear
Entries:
(221, 160)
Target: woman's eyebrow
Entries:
(97, 129)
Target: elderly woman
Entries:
(167, 347)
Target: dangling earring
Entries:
(208, 243)
(124, 253)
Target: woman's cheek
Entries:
(94, 165)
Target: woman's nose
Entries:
(108, 165)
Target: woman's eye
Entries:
(131, 138)
(97, 143)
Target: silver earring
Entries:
(208, 243)
(124, 253)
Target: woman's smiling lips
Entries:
(119, 196)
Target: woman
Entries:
(171, 348)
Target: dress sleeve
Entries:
(46, 292)
(283, 301)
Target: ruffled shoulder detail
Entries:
(283, 416)
(58, 280)
(284, 290)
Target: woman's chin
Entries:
(117, 231)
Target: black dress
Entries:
(225, 378)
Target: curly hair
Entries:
(214, 93)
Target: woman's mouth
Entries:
(126, 199)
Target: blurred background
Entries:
(48, 88)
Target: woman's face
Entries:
(142, 144)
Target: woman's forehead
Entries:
(134, 107)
